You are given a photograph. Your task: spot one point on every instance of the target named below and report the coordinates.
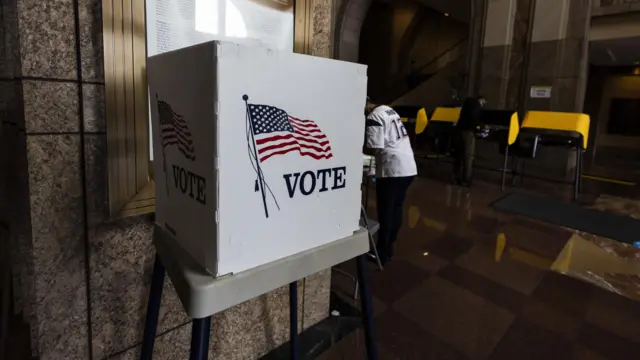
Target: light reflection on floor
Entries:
(469, 282)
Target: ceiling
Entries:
(615, 52)
(458, 9)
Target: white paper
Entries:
(175, 24)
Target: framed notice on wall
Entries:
(175, 24)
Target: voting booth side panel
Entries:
(290, 153)
(182, 93)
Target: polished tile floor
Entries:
(469, 282)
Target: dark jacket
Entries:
(469, 115)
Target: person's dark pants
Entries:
(390, 194)
(464, 143)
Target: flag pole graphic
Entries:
(164, 156)
(260, 180)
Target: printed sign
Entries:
(541, 92)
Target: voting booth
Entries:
(258, 152)
(258, 171)
(440, 126)
(501, 127)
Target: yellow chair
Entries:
(504, 127)
(561, 129)
(421, 121)
(446, 115)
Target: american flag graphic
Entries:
(278, 133)
(174, 130)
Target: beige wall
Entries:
(550, 20)
(499, 22)
(615, 26)
(616, 87)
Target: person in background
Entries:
(464, 140)
(387, 140)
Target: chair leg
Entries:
(200, 329)
(293, 321)
(367, 310)
(153, 310)
(372, 243)
(576, 181)
(504, 167)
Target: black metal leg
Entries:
(367, 310)
(293, 320)
(200, 329)
(582, 154)
(366, 192)
(576, 182)
(153, 309)
(504, 167)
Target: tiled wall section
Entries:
(517, 58)
(15, 204)
(87, 272)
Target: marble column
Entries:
(81, 279)
(559, 54)
(559, 58)
(476, 40)
(496, 51)
(500, 60)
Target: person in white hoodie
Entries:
(388, 141)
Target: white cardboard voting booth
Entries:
(257, 153)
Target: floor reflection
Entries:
(469, 282)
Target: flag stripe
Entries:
(303, 153)
(306, 131)
(313, 140)
(303, 124)
(184, 138)
(294, 142)
(302, 121)
(173, 141)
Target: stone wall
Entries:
(81, 279)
